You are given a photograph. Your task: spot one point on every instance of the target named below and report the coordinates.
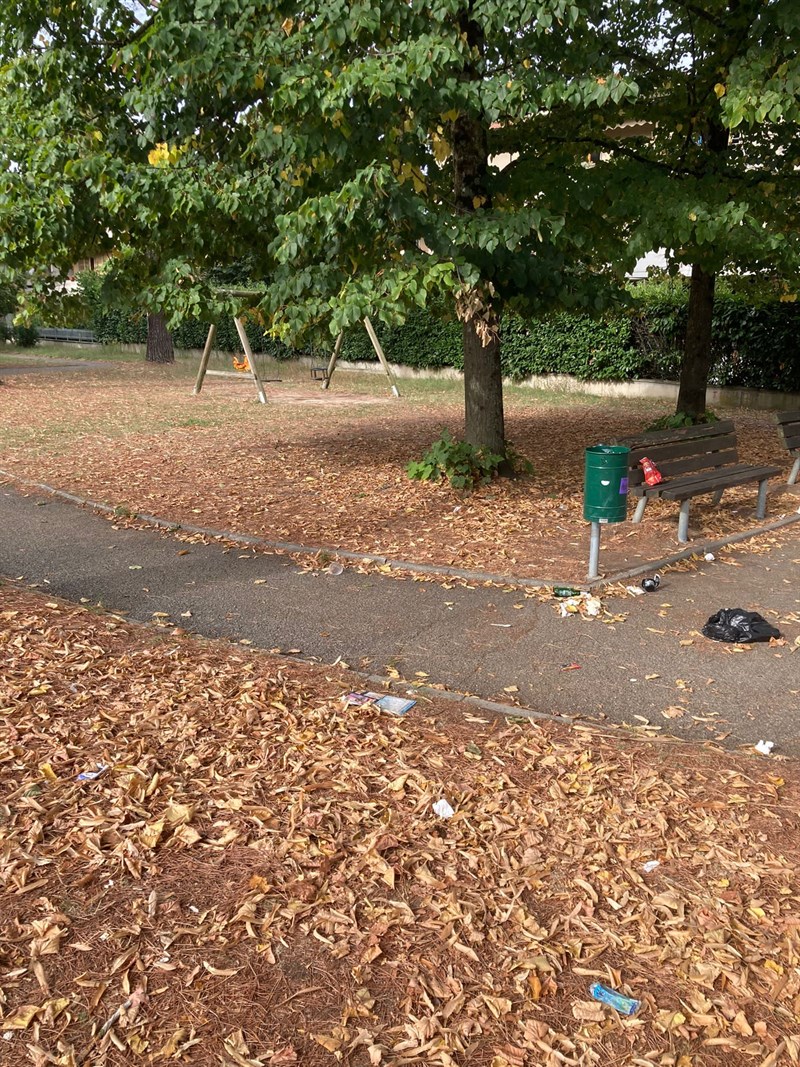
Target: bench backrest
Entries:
(683, 451)
(789, 427)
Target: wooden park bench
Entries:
(789, 429)
(693, 461)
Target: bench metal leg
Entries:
(683, 522)
(717, 497)
(761, 509)
(641, 505)
(794, 472)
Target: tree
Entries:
(347, 147)
(159, 341)
(715, 178)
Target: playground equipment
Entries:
(248, 364)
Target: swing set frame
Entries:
(203, 370)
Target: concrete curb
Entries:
(697, 548)
(291, 546)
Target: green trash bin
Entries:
(606, 483)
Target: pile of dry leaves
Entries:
(258, 877)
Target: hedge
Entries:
(756, 338)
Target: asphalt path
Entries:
(652, 667)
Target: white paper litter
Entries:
(443, 809)
(765, 747)
(709, 556)
(650, 865)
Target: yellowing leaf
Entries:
(720, 90)
(21, 1018)
(151, 834)
(329, 1041)
(741, 1025)
(178, 814)
(220, 972)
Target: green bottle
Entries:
(565, 591)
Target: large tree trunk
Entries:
(477, 308)
(483, 391)
(696, 362)
(159, 341)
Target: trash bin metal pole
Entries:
(594, 550)
(794, 472)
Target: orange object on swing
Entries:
(241, 365)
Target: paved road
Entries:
(474, 640)
(56, 366)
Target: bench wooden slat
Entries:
(686, 477)
(684, 433)
(787, 416)
(674, 467)
(703, 447)
(722, 480)
(792, 443)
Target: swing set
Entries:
(248, 363)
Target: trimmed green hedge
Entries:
(756, 338)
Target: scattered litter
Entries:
(635, 590)
(650, 866)
(765, 747)
(335, 568)
(709, 557)
(584, 604)
(443, 809)
(391, 705)
(652, 475)
(571, 667)
(90, 776)
(624, 1005)
(649, 585)
(502, 625)
(565, 591)
(592, 606)
(737, 626)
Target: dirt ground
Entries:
(258, 877)
(328, 468)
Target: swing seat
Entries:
(319, 374)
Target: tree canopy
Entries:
(352, 151)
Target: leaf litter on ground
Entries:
(259, 877)
(324, 470)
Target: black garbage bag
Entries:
(739, 626)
